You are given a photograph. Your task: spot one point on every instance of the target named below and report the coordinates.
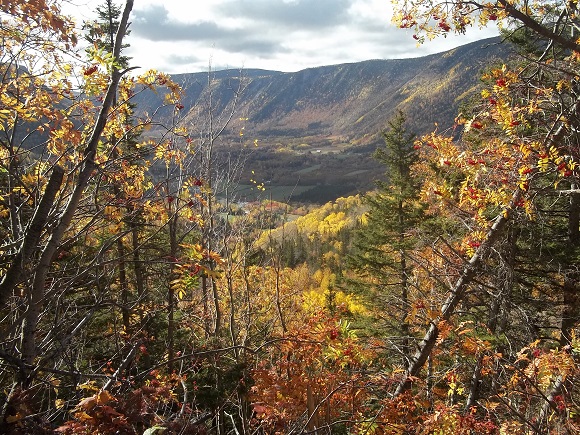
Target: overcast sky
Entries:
(182, 36)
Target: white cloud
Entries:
(285, 35)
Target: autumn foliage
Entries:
(138, 296)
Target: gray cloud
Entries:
(270, 33)
(178, 59)
(249, 45)
(295, 15)
(154, 24)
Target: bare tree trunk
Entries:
(15, 225)
(549, 403)
(455, 296)
(430, 381)
(137, 266)
(173, 247)
(571, 297)
(123, 284)
(311, 404)
(217, 307)
(36, 296)
(505, 283)
(571, 290)
(233, 327)
(210, 230)
(205, 303)
(32, 236)
(405, 330)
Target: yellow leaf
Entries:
(89, 386)
(563, 84)
(13, 418)
(104, 397)
(83, 416)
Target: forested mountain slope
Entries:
(318, 127)
(349, 101)
(139, 295)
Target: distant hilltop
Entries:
(351, 101)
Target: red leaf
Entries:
(443, 25)
(90, 70)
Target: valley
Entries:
(317, 129)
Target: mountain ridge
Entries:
(317, 128)
(350, 100)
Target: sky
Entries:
(184, 36)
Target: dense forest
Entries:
(140, 295)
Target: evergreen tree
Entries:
(381, 244)
(126, 159)
(100, 33)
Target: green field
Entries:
(278, 193)
(309, 169)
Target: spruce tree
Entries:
(100, 33)
(382, 243)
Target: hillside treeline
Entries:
(139, 294)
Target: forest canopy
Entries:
(138, 296)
